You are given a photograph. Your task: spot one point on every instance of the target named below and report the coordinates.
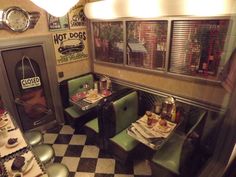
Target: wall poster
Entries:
(57, 23)
(70, 46)
(77, 17)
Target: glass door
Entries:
(28, 78)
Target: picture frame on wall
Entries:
(70, 46)
(77, 18)
(58, 23)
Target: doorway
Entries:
(28, 79)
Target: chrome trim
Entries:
(168, 48)
(161, 73)
(193, 102)
(124, 43)
(14, 8)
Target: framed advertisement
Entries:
(57, 23)
(77, 17)
(70, 46)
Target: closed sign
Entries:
(30, 82)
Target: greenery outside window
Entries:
(108, 37)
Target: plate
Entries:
(162, 129)
(13, 145)
(93, 97)
(12, 172)
(4, 122)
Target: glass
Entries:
(197, 47)
(146, 44)
(108, 41)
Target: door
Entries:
(28, 78)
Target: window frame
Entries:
(166, 70)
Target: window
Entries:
(193, 47)
(108, 41)
(197, 47)
(146, 44)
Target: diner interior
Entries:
(117, 88)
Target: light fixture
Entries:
(57, 8)
(112, 9)
(115, 9)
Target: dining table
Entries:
(13, 148)
(153, 134)
(88, 99)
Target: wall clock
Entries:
(17, 19)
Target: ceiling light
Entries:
(115, 9)
(57, 8)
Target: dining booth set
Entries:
(25, 154)
(130, 123)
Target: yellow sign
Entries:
(70, 46)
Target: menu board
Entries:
(70, 46)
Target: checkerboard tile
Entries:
(84, 159)
(50, 138)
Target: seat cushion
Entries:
(93, 124)
(57, 170)
(34, 137)
(44, 152)
(169, 155)
(124, 141)
(74, 112)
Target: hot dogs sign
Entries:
(70, 46)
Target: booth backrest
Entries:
(126, 111)
(106, 101)
(77, 84)
(123, 108)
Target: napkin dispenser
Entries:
(104, 84)
(169, 108)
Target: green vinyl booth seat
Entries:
(125, 141)
(74, 112)
(76, 117)
(94, 128)
(93, 125)
(119, 115)
(170, 160)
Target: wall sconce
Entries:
(57, 8)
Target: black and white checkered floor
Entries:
(84, 159)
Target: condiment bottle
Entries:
(149, 118)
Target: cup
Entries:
(149, 121)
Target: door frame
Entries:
(8, 99)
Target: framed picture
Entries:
(70, 46)
(77, 17)
(108, 42)
(57, 23)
